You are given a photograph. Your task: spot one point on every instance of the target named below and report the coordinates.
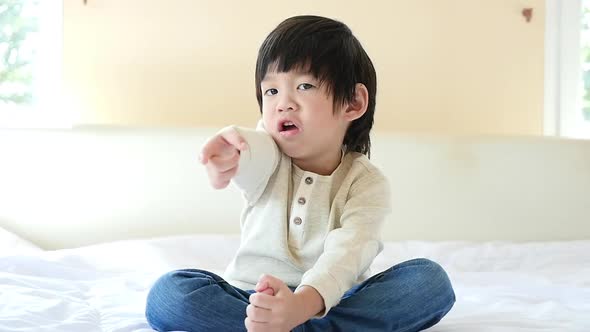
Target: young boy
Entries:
(314, 206)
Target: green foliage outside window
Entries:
(18, 24)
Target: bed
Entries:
(500, 286)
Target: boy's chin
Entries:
(294, 152)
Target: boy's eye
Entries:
(271, 92)
(305, 86)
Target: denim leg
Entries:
(410, 296)
(196, 300)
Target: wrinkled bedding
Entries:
(500, 286)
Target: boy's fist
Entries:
(221, 155)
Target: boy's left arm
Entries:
(350, 249)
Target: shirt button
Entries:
(301, 200)
(308, 180)
(297, 221)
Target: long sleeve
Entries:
(256, 164)
(350, 249)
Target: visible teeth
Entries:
(288, 123)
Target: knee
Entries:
(163, 300)
(168, 296)
(171, 288)
(429, 286)
(433, 279)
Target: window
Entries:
(585, 60)
(567, 68)
(30, 64)
(17, 52)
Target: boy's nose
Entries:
(286, 108)
(286, 104)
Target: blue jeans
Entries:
(410, 296)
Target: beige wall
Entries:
(455, 66)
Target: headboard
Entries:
(71, 187)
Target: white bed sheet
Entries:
(499, 286)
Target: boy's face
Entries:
(299, 114)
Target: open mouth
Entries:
(288, 126)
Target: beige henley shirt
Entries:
(305, 228)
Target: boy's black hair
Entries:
(328, 50)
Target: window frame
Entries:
(562, 113)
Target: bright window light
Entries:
(30, 71)
(567, 68)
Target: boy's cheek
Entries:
(264, 123)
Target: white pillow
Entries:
(11, 244)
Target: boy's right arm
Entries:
(244, 156)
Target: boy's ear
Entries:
(359, 104)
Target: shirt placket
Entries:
(299, 211)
